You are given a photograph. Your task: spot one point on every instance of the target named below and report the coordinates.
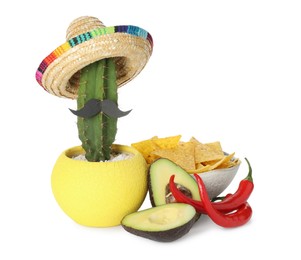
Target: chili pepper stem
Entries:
(249, 177)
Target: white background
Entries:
(220, 70)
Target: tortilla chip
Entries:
(192, 156)
(215, 164)
(199, 168)
(183, 155)
(205, 152)
(167, 142)
(145, 147)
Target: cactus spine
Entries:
(97, 81)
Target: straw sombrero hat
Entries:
(88, 40)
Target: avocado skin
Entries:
(151, 195)
(164, 236)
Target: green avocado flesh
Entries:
(159, 175)
(164, 223)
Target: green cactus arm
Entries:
(97, 81)
(110, 128)
(90, 129)
(81, 100)
(111, 78)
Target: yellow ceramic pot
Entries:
(99, 194)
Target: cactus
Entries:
(97, 81)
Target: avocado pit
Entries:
(169, 198)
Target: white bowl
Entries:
(216, 181)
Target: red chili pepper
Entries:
(182, 198)
(235, 219)
(241, 195)
(229, 203)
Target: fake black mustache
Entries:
(95, 106)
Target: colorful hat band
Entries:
(128, 29)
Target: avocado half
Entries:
(158, 182)
(164, 223)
